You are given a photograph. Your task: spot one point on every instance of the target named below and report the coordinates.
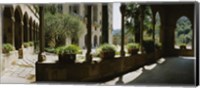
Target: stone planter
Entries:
(107, 55)
(67, 58)
(133, 51)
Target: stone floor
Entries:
(21, 71)
(178, 71)
(167, 71)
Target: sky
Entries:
(116, 16)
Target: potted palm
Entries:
(67, 53)
(107, 51)
(132, 48)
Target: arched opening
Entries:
(8, 24)
(25, 27)
(95, 41)
(183, 33)
(148, 24)
(30, 29)
(18, 29)
(157, 28)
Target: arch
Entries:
(18, 28)
(26, 31)
(157, 28)
(183, 33)
(148, 24)
(30, 29)
(8, 25)
(95, 41)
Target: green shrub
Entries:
(132, 46)
(107, 48)
(7, 48)
(26, 44)
(30, 43)
(70, 49)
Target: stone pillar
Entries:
(89, 33)
(122, 9)
(105, 29)
(41, 34)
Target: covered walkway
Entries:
(167, 71)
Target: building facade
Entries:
(19, 24)
(80, 10)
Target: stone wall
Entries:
(83, 72)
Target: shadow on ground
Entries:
(174, 71)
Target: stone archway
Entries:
(157, 31)
(8, 25)
(183, 33)
(26, 30)
(30, 30)
(95, 41)
(18, 28)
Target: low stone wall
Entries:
(55, 72)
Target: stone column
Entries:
(89, 34)
(41, 34)
(105, 29)
(122, 9)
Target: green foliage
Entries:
(30, 43)
(26, 44)
(7, 48)
(107, 48)
(60, 26)
(70, 49)
(132, 46)
(183, 31)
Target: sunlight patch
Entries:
(184, 57)
(131, 76)
(150, 67)
(160, 61)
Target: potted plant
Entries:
(26, 44)
(133, 48)
(30, 43)
(7, 48)
(107, 51)
(67, 53)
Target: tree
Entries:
(60, 26)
